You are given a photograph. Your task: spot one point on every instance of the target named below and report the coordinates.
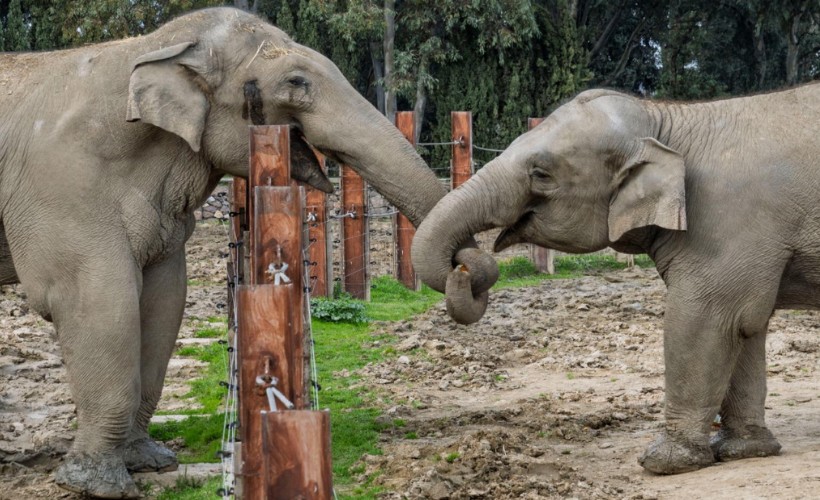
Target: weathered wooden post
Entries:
(320, 277)
(271, 335)
(542, 258)
(461, 166)
(354, 234)
(403, 229)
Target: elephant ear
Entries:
(651, 191)
(163, 91)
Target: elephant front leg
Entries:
(161, 307)
(743, 432)
(97, 322)
(700, 350)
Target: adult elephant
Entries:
(723, 196)
(105, 153)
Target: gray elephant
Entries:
(723, 196)
(105, 153)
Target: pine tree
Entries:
(17, 28)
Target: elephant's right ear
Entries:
(651, 191)
(163, 92)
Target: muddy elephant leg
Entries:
(743, 432)
(161, 307)
(97, 322)
(700, 349)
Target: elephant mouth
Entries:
(514, 234)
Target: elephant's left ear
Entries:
(163, 91)
(651, 191)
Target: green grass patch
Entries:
(392, 301)
(520, 271)
(201, 435)
(192, 489)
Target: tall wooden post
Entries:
(354, 234)
(403, 229)
(542, 258)
(320, 277)
(271, 321)
(462, 163)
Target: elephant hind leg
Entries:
(743, 432)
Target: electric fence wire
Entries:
(231, 400)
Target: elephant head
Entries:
(205, 76)
(591, 175)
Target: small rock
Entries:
(404, 360)
(582, 307)
(415, 454)
(605, 446)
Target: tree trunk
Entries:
(389, 39)
(793, 49)
(421, 102)
(241, 4)
(378, 75)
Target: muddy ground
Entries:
(554, 394)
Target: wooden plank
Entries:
(462, 163)
(354, 235)
(542, 258)
(296, 446)
(403, 230)
(278, 232)
(265, 350)
(238, 201)
(320, 273)
(270, 162)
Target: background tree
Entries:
(504, 60)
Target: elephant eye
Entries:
(297, 81)
(540, 174)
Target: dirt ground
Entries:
(553, 394)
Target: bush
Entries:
(343, 309)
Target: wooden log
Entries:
(403, 230)
(354, 235)
(238, 201)
(278, 241)
(319, 272)
(542, 258)
(270, 162)
(265, 351)
(461, 167)
(296, 446)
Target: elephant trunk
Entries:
(490, 199)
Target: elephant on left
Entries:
(105, 153)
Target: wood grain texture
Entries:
(270, 162)
(296, 446)
(354, 235)
(402, 227)
(318, 242)
(266, 349)
(462, 163)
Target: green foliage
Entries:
(190, 489)
(343, 309)
(392, 301)
(201, 435)
(517, 267)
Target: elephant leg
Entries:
(97, 320)
(700, 350)
(161, 307)
(743, 432)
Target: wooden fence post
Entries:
(354, 234)
(461, 165)
(271, 322)
(320, 276)
(543, 258)
(403, 229)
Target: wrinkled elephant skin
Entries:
(105, 153)
(721, 195)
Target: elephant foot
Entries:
(668, 456)
(100, 475)
(753, 441)
(146, 455)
